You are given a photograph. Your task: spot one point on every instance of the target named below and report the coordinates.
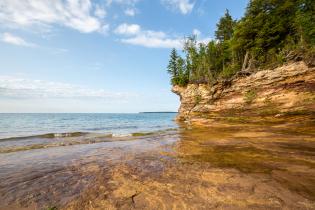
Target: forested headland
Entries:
(271, 33)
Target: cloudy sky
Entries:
(97, 55)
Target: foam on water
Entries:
(24, 126)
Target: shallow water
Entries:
(286, 154)
(24, 125)
(58, 174)
(227, 165)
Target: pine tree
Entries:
(271, 32)
(225, 27)
(172, 67)
(182, 75)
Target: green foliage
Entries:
(225, 27)
(177, 69)
(229, 71)
(197, 99)
(305, 21)
(267, 36)
(250, 96)
(172, 66)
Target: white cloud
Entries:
(123, 2)
(146, 38)
(135, 35)
(184, 6)
(196, 32)
(15, 40)
(25, 88)
(153, 40)
(128, 29)
(200, 38)
(80, 15)
(130, 12)
(99, 12)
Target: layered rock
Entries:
(287, 89)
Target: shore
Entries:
(228, 165)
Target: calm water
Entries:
(268, 165)
(23, 125)
(58, 151)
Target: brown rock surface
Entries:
(289, 88)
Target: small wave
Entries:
(47, 136)
(62, 135)
(112, 128)
(137, 134)
(140, 134)
(121, 135)
(90, 134)
(143, 134)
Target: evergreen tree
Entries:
(268, 35)
(305, 21)
(190, 48)
(182, 73)
(172, 68)
(225, 27)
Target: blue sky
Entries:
(97, 55)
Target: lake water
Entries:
(146, 161)
(26, 125)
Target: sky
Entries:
(106, 56)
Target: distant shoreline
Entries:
(155, 112)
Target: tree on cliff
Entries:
(271, 32)
(178, 70)
(225, 27)
(172, 67)
(183, 74)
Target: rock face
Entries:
(289, 89)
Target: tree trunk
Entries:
(245, 61)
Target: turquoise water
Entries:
(25, 125)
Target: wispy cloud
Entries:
(100, 12)
(80, 15)
(25, 88)
(196, 32)
(123, 2)
(183, 6)
(19, 41)
(135, 35)
(130, 12)
(15, 40)
(153, 39)
(57, 51)
(128, 29)
(128, 5)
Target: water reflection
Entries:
(55, 175)
(285, 152)
(249, 162)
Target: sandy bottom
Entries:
(223, 166)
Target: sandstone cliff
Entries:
(286, 90)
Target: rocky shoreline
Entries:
(225, 165)
(254, 150)
(282, 91)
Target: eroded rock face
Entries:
(287, 89)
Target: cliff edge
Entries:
(287, 90)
